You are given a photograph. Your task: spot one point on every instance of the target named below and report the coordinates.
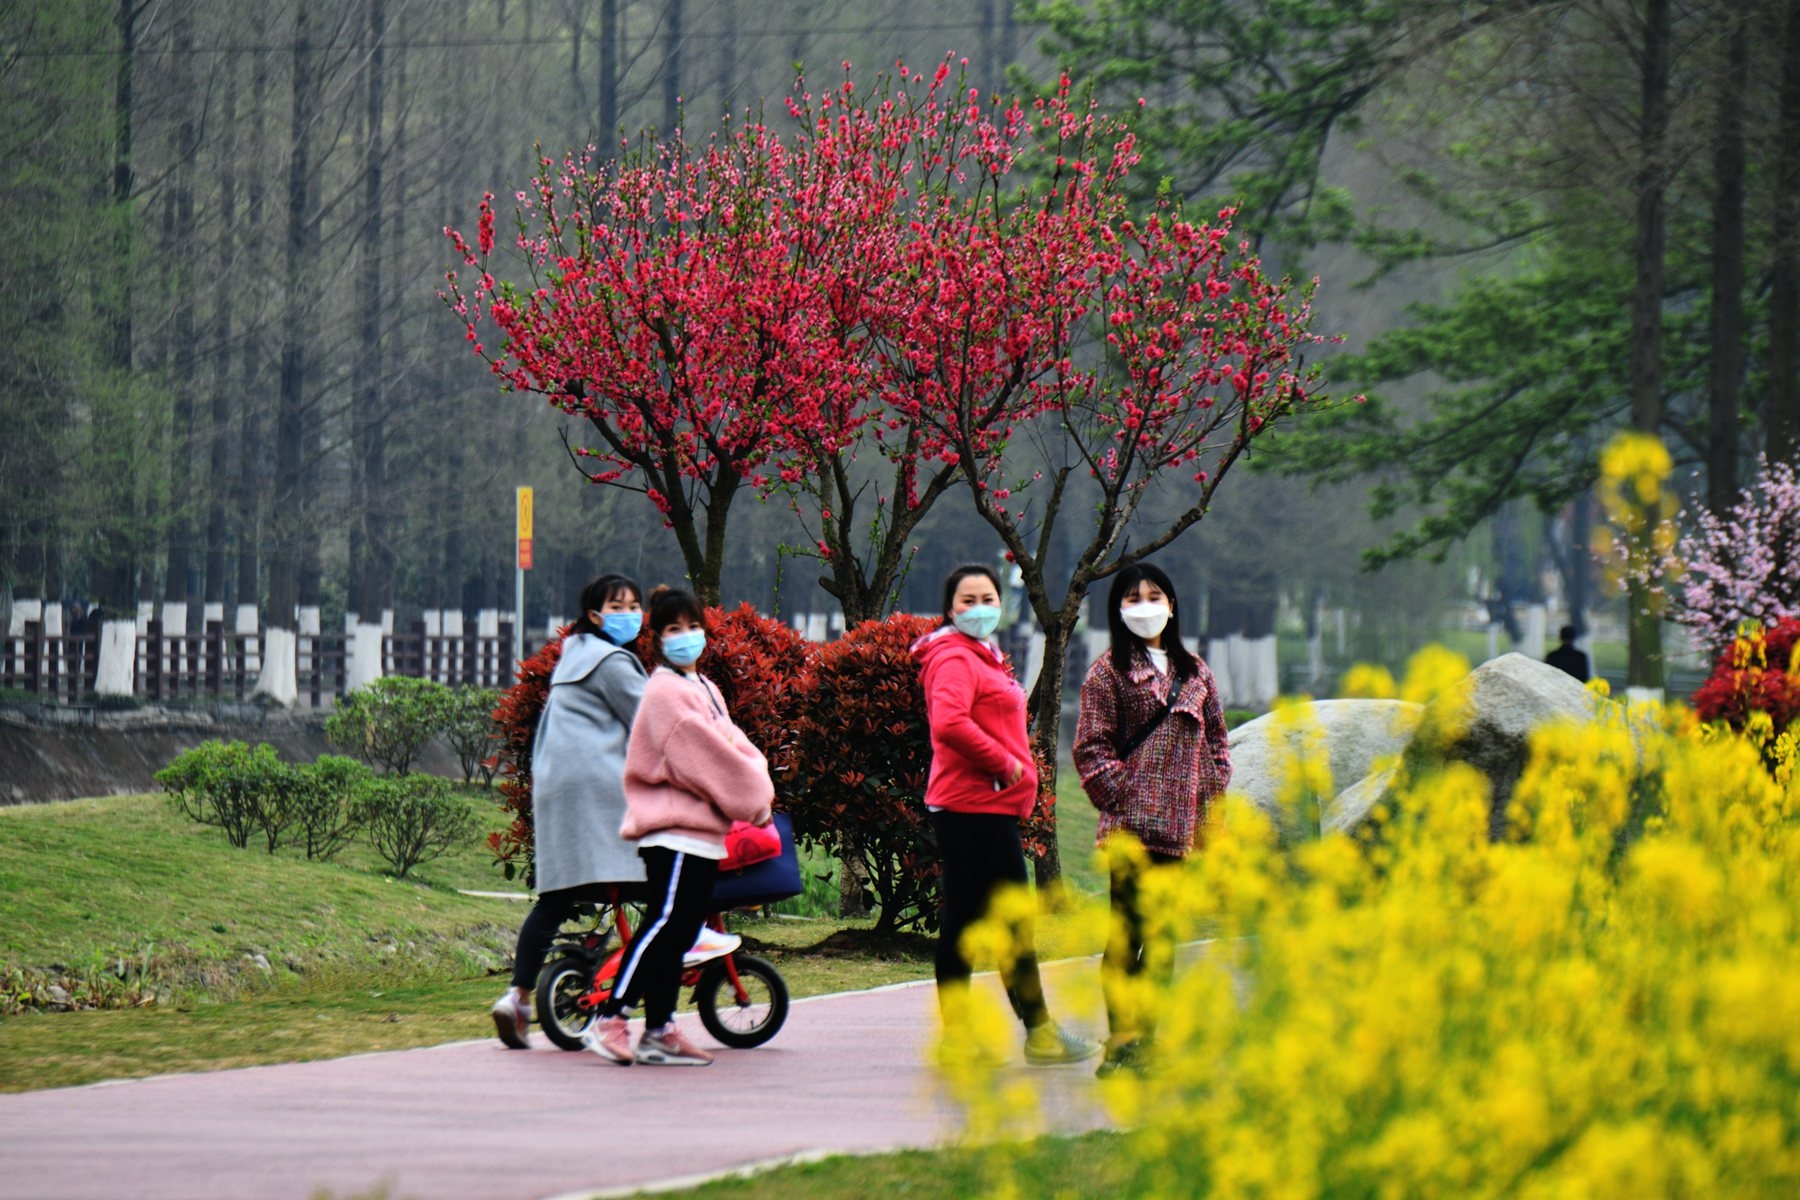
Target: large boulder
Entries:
(1354, 733)
(1487, 721)
(1352, 806)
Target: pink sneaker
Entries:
(610, 1039)
(668, 1047)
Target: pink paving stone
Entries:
(474, 1121)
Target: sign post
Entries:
(524, 508)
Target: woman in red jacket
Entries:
(1150, 747)
(982, 784)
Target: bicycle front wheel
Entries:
(752, 1020)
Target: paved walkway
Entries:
(473, 1121)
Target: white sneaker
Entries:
(512, 1021)
(709, 945)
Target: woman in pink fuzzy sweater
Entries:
(689, 773)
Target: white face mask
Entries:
(1145, 620)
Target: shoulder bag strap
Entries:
(1176, 683)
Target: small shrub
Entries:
(413, 819)
(470, 729)
(239, 790)
(324, 801)
(858, 765)
(387, 723)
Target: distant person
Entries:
(78, 619)
(689, 772)
(1150, 749)
(1568, 657)
(577, 787)
(983, 782)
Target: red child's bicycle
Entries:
(742, 999)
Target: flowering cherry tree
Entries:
(742, 314)
(1744, 566)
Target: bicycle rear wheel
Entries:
(560, 986)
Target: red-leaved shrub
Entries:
(861, 756)
(1759, 672)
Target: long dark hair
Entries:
(670, 604)
(1126, 643)
(594, 596)
(961, 573)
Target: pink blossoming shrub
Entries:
(1746, 566)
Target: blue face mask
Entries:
(684, 649)
(620, 627)
(979, 621)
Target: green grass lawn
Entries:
(1092, 1165)
(358, 961)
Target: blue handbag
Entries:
(765, 882)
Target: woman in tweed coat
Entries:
(1150, 748)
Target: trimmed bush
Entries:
(235, 788)
(413, 819)
(469, 727)
(387, 723)
(324, 802)
(859, 762)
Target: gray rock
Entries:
(58, 995)
(1356, 733)
(1487, 722)
(1352, 806)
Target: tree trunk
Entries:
(219, 483)
(113, 584)
(180, 533)
(1726, 364)
(609, 77)
(374, 566)
(1783, 417)
(1646, 670)
(725, 71)
(249, 503)
(288, 517)
(671, 79)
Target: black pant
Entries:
(547, 916)
(1129, 952)
(981, 853)
(680, 890)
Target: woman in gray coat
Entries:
(577, 801)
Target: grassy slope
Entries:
(93, 881)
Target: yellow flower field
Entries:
(1606, 1004)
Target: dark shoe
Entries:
(1132, 1056)
(1050, 1046)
